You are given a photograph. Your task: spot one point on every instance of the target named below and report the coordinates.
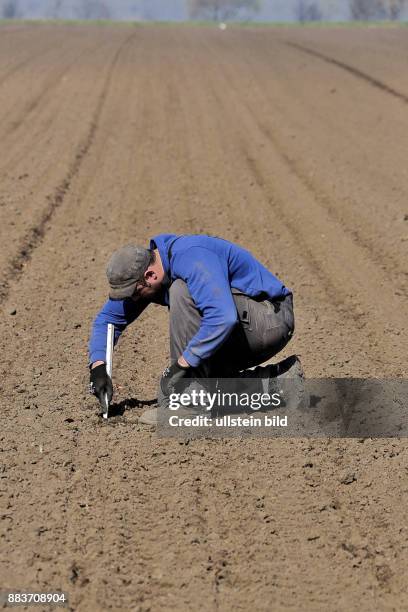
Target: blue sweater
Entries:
(210, 267)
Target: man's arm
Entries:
(118, 312)
(208, 283)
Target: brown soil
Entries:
(291, 142)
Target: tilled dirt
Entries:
(294, 144)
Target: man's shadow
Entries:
(119, 408)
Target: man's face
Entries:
(149, 286)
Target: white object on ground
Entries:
(109, 358)
(222, 26)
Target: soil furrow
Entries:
(352, 70)
(378, 255)
(355, 224)
(35, 235)
(16, 68)
(39, 101)
(38, 49)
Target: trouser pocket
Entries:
(243, 306)
(273, 323)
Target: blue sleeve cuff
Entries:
(192, 359)
(97, 356)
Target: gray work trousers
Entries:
(263, 329)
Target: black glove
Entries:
(172, 376)
(101, 384)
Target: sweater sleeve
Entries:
(118, 312)
(207, 281)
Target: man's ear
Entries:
(150, 275)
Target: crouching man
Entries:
(227, 312)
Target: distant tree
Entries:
(222, 10)
(56, 9)
(308, 11)
(10, 10)
(93, 9)
(363, 10)
(393, 8)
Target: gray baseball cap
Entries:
(125, 268)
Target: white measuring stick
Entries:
(109, 358)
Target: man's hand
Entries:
(101, 384)
(172, 376)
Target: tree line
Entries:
(223, 10)
(305, 10)
(377, 9)
(86, 9)
(360, 10)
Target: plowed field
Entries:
(293, 143)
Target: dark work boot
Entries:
(287, 379)
(197, 407)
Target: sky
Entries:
(167, 10)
